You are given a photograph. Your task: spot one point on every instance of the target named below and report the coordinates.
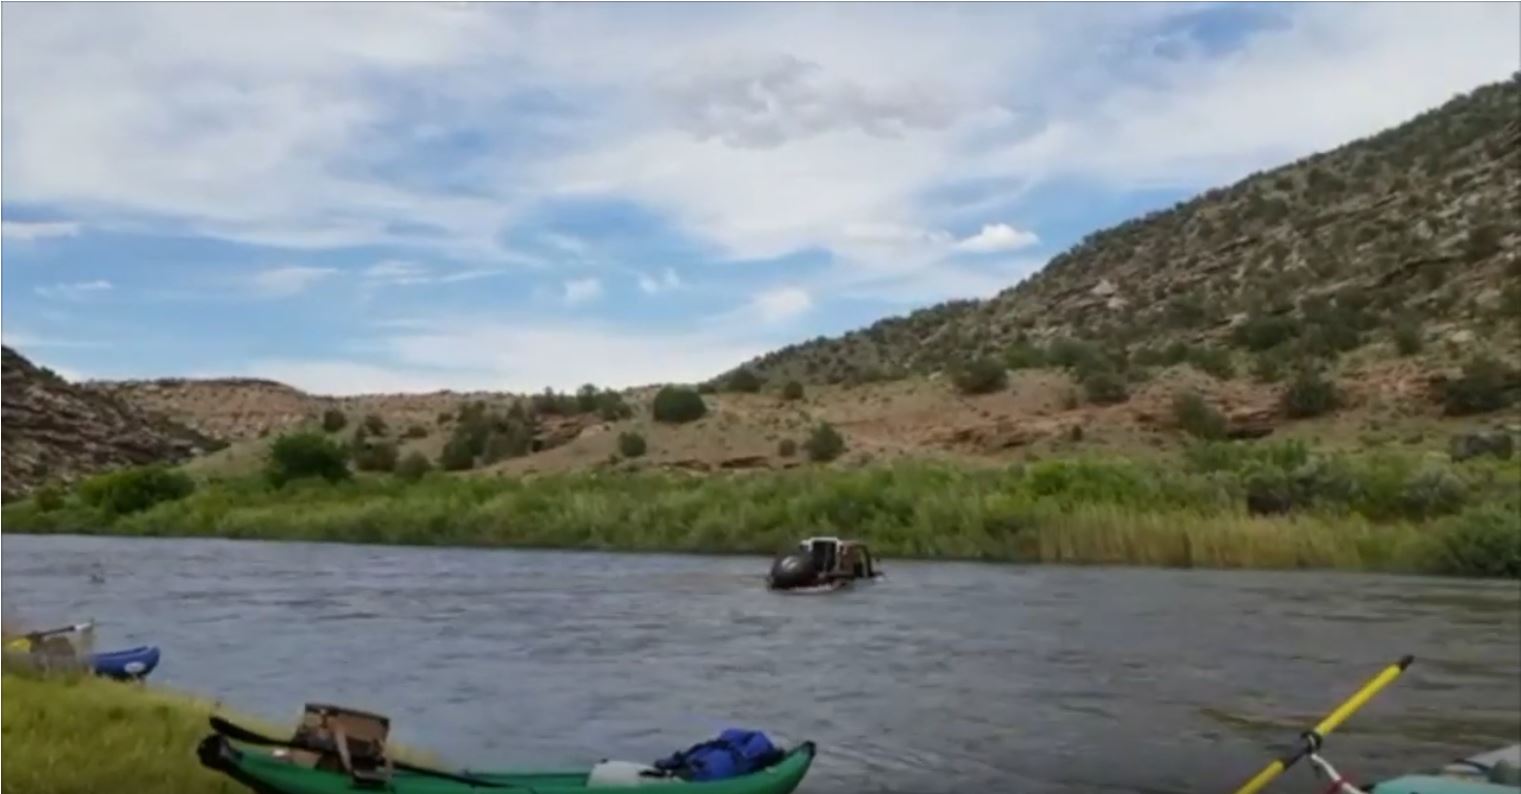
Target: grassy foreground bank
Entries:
(1394, 512)
(84, 735)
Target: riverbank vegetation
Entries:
(1232, 505)
(75, 734)
(78, 734)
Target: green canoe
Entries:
(265, 773)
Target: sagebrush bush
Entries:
(413, 467)
(1213, 361)
(1264, 332)
(678, 405)
(611, 407)
(131, 490)
(1197, 417)
(375, 456)
(824, 443)
(1024, 355)
(786, 448)
(979, 376)
(744, 381)
(49, 498)
(1408, 336)
(1482, 541)
(457, 454)
(1482, 387)
(1105, 387)
(300, 455)
(1310, 394)
(792, 391)
(375, 425)
(506, 440)
(333, 420)
(632, 445)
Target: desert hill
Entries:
(1338, 298)
(58, 432)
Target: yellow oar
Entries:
(1312, 739)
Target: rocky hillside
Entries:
(55, 431)
(1412, 232)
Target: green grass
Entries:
(89, 735)
(86, 735)
(1384, 511)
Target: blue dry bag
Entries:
(735, 752)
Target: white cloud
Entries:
(582, 290)
(27, 231)
(281, 282)
(24, 339)
(784, 303)
(79, 290)
(338, 377)
(396, 271)
(758, 130)
(998, 237)
(665, 282)
(479, 354)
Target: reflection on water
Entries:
(940, 678)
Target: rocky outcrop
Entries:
(56, 431)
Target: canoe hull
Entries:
(132, 663)
(263, 773)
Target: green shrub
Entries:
(611, 407)
(1259, 332)
(979, 376)
(333, 420)
(1310, 394)
(1075, 354)
(1215, 361)
(131, 490)
(415, 431)
(413, 467)
(375, 456)
(1482, 541)
(374, 424)
(298, 455)
(553, 403)
(744, 381)
(457, 454)
(587, 398)
(792, 391)
(786, 448)
(824, 443)
(708, 387)
(632, 445)
(48, 498)
(677, 405)
(506, 440)
(1024, 355)
(1482, 242)
(1480, 389)
(1432, 492)
(1105, 387)
(1187, 311)
(1268, 367)
(1197, 417)
(1408, 337)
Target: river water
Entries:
(943, 677)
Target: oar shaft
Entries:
(1357, 701)
(1330, 723)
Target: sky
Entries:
(360, 198)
